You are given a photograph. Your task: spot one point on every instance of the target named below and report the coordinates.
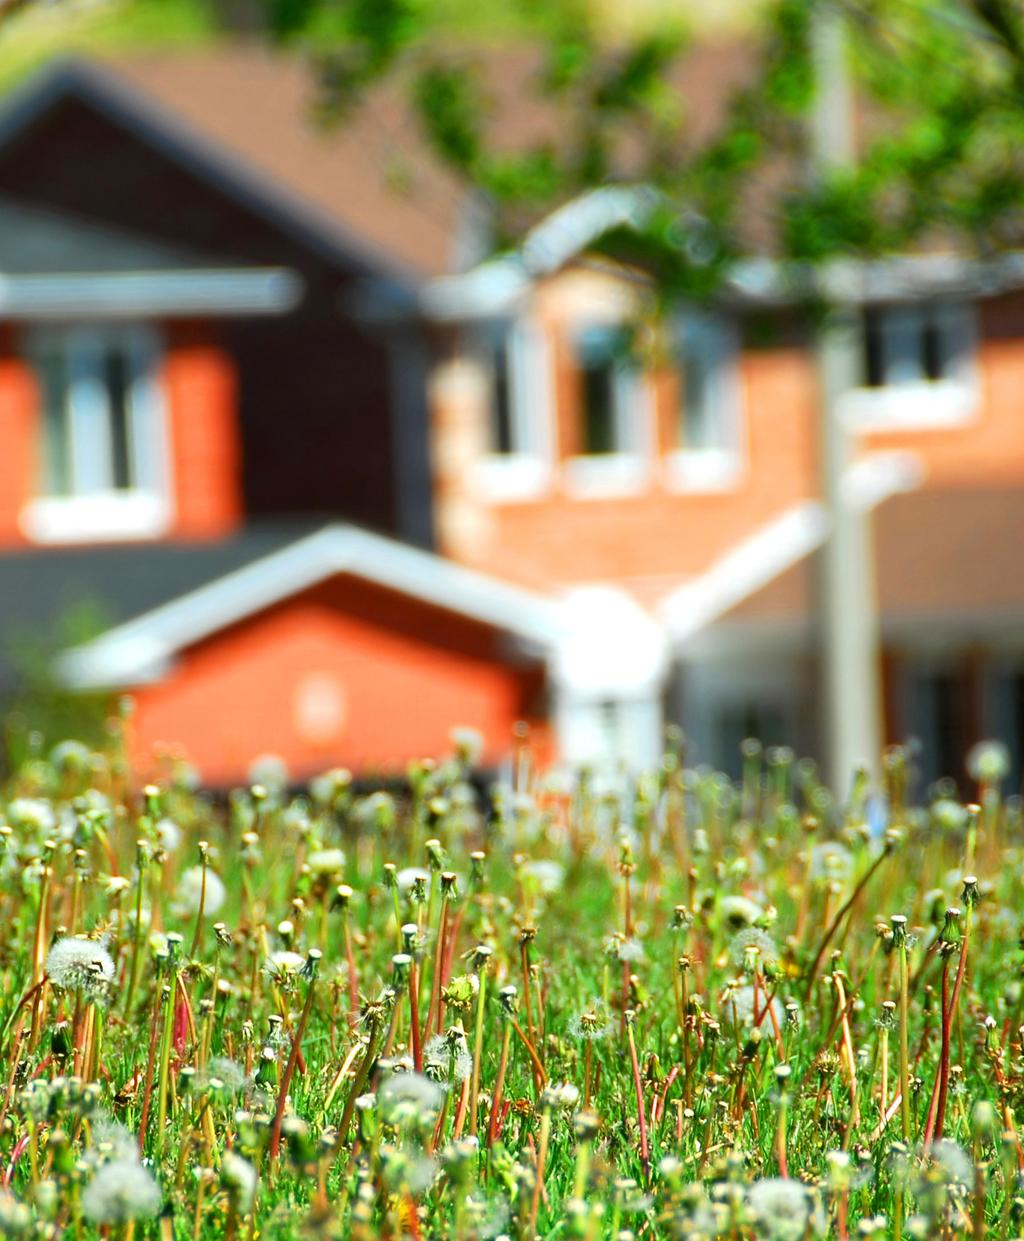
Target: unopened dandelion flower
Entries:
(190, 892)
(78, 964)
(121, 1190)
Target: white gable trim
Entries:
(779, 544)
(141, 648)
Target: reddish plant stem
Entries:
(645, 1158)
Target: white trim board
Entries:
(782, 542)
(137, 649)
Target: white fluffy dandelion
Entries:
(326, 862)
(78, 964)
(753, 950)
(782, 1210)
(190, 888)
(121, 1190)
(239, 1178)
(738, 911)
(447, 1057)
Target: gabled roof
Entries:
(368, 188)
(140, 648)
(240, 119)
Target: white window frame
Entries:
(626, 471)
(524, 473)
(98, 512)
(718, 467)
(906, 400)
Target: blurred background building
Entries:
(339, 479)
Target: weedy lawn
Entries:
(665, 1006)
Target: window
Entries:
(102, 458)
(614, 414)
(708, 415)
(915, 344)
(516, 463)
(917, 367)
(937, 717)
(607, 423)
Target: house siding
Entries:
(390, 677)
(18, 423)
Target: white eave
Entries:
(212, 291)
(142, 649)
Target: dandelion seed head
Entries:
(446, 1057)
(830, 862)
(988, 761)
(33, 814)
(781, 1209)
(190, 889)
(591, 1024)
(121, 1190)
(239, 1178)
(548, 875)
(409, 1098)
(754, 950)
(738, 912)
(79, 964)
(326, 862)
(168, 833)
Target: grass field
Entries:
(663, 1007)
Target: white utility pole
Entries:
(849, 618)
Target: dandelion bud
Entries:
(410, 933)
(343, 896)
(508, 997)
(390, 875)
(970, 894)
(286, 930)
(477, 859)
(984, 1121)
(223, 934)
(435, 855)
(313, 958)
(899, 930)
(401, 963)
(449, 885)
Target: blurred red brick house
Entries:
(344, 481)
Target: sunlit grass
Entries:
(583, 1006)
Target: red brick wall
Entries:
(402, 674)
